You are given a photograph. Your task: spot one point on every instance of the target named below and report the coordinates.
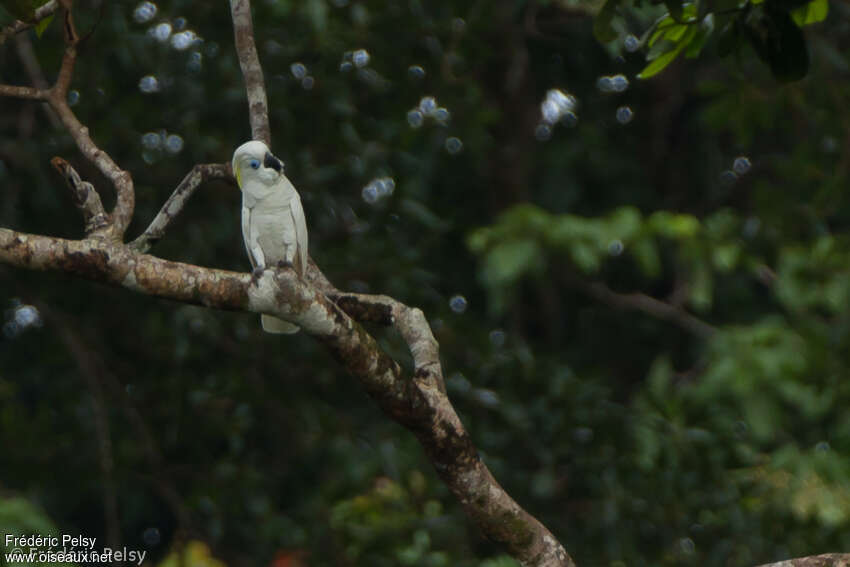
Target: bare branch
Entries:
(418, 402)
(98, 374)
(19, 26)
(648, 304)
(33, 70)
(121, 180)
(89, 371)
(175, 203)
(30, 93)
(825, 560)
(249, 62)
(56, 96)
(86, 199)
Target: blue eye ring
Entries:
(254, 163)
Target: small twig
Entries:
(86, 199)
(36, 76)
(648, 304)
(107, 385)
(18, 26)
(249, 62)
(175, 203)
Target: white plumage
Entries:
(273, 223)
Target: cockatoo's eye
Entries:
(254, 163)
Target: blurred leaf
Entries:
(674, 8)
(509, 260)
(779, 43)
(706, 28)
(195, 553)
(602, 28)
(43, 25)
(811, 13)
(662, 61)
(730, 39)
(646, 253)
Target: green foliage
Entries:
(23, 10)
(771, 28)
(526, 240)
(20, 517)
(816, 276)
(42, 25)
(602, 24)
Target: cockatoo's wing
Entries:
(300, 234)
(246, 233)
(270, 324)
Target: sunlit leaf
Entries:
(812, 13)
(696, 44)
(658, 65)
(42, 25)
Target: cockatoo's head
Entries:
(253, 162)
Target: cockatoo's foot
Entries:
(284, 264)
(256, 274)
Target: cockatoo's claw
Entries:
(256, 274)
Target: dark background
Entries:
(635, 440)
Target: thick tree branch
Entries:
(249, 62)
(18, 26)
(825, 560)
(175, 203)
(418, 402)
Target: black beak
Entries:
(273, 162)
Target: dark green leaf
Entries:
(602, 28)
(23, 10)
(674, 7)
(787, 53)
(696, 44)
(730, 38)
(785, 5)
(42, 25)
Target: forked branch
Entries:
(417, 401)
(175, 203)
(56, 96)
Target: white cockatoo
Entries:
(273, 224)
